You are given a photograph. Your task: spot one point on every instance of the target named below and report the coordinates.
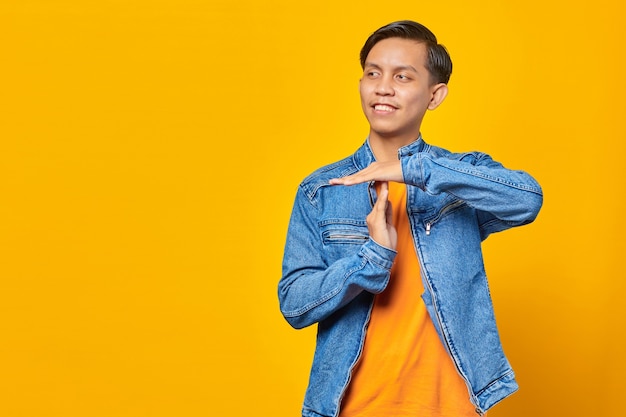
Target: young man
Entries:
(383, 252)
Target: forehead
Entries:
(398, 52)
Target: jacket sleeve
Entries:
(504, 198)
(311, 289)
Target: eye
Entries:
(403, 77)
(372, 74)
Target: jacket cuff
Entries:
(378, 254)
(412, 170)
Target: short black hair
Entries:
(438, 63)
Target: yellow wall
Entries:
(150, 152)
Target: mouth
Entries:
(384, 108)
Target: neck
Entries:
(386, 148)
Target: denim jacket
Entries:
(332, 269)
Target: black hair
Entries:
(438, 63)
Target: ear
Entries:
(439, 93)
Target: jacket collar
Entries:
(412, 148)
(364, 156)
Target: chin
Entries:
(382, 128)
(385, 132)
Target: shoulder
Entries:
(320, 177)
(471, 156)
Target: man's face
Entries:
(396, 89)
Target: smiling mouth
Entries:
(384, 108)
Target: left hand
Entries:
(377, 171)
(380, 220)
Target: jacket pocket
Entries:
(449, 208)
(344, 232)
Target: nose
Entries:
(384, 86)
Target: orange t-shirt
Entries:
(404, 370)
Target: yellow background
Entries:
(149, 156)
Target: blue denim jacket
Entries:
(332, 270)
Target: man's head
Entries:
(405, 73)
(438, 61)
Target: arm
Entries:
(504, 197)
(310, 290)
(512, 197)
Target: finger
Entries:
(353, 179)
(385, 208)
(389, 213)
(376, 171)
(379, 220)
(383, 194)
(365, 175)
(377, 216)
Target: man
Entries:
(383, 252)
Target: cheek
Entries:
(364, 94)
(362, 89)
(418, 98)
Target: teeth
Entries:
(383, 107)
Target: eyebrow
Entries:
(398, 68)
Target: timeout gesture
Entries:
(377, 171)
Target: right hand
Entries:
(380, 220)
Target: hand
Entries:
(377, 171)
(380, 220)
